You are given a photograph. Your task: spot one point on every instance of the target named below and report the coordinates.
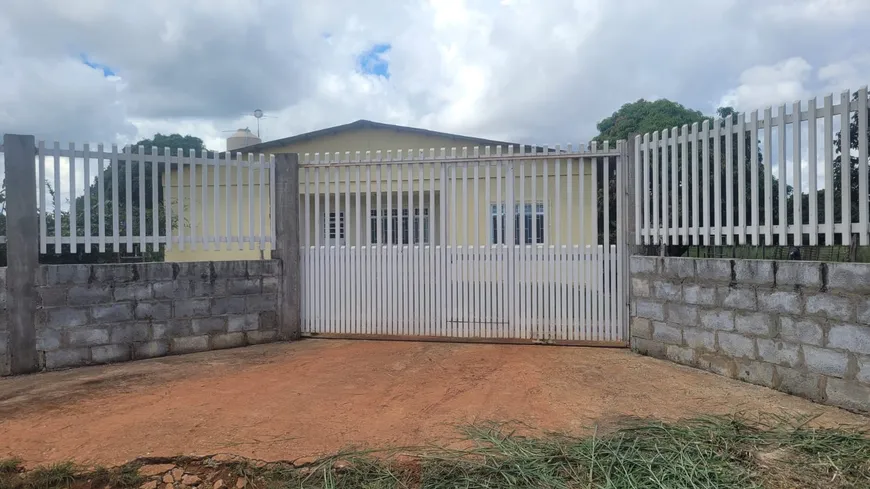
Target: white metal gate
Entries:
(523, 246)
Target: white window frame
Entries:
(540, 220)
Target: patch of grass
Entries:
(10, 466)
(125, 476)
(51, 477)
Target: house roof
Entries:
(365, 124)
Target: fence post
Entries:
(22, 251)
(287, 244)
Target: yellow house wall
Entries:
(473, 222)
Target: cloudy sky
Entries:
(543, 71)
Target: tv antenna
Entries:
(258, 114)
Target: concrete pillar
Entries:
(287, 244)
(22, 251)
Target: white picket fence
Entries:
(711, 186)
(487, 244)
(204, 201)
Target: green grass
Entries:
(707, 453)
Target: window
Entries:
(330, 230)
(379, 233)
(499, 222)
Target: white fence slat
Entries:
(695, 186)
(863, 201)
(181, 213)
(193, 196)
(86, 196)
(797, 200)
(167, 199)
(717, 181)
(344, 229)
(782, 176)
(141, 203)
(741, 179)
(729, 181)
(487, 249)
(647, 208)
(239, 188)
(768, 177)
(813, 176)
(621, 248)
(684, 172)
(664, 161)
(674, 167)
(262, 206)
(228, 226)
(519, 211)
(596, 267)
(272, 198)
(250, 201)
(73, 215)
(656, 184)
(43, 214)
(317, 252)
(828, 114)
(846, 165)
(753, 179)
(155, 202)
(705, 135)
(498, 229)
(215, 206)
(582, 292)
(605, 183)
(639, 190)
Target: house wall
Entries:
(473, 222)
(798, 327)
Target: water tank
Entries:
(241, 138)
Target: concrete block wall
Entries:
(798, 327)
(91, 314)
(4, 326)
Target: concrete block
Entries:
(49, 296)
(826, 362)
(850, 277)
(643, 265)
(779, 302)
(168, 290)
(270, 284)
(863, 374)
(849, 395)
(649, 347)
(119, 311)
(68, 357)
(681, 355)
(243, 286)
(755, 323)
(153, 272)
(717, 364)
(830, 306)
(209, 325)
(110, 353)
(713, 270)
(4, 341)
(88, 337)
(778, 352)
(667, 291)
(863, 311)
(261, 303)
(739, 298)
(189, 344)
(230, 269)
(82, 295)
(195, 270)
(214, 288)
(807, 385)
(160, 330)
(682, 314)
(650, 309)
(640, 287)
(227, 305)
(129, 333)
(700, 339)
(806, 331)
(176, 328)
(66, 317)
(804, 274)
(269, 320)
(133, 292)
(242, 322)
(736, 345)
(187, 308)
(667, 334)
(228, 340)
(158, 311)
(681, 268)
(150, 349)
(113, 273)
(717, 320)
(758, 373)
(850, 337)
(640, 327)
(50, 275)
(46, 339)
(754, 272)
(258, 337)
(271, 268)
(699, 295)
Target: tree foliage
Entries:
(644, 116)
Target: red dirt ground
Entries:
(284, 401)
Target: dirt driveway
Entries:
(285, 401)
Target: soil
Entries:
(314, 397)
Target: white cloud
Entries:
(770, 85)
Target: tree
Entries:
(644, 116)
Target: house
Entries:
(337, 220)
